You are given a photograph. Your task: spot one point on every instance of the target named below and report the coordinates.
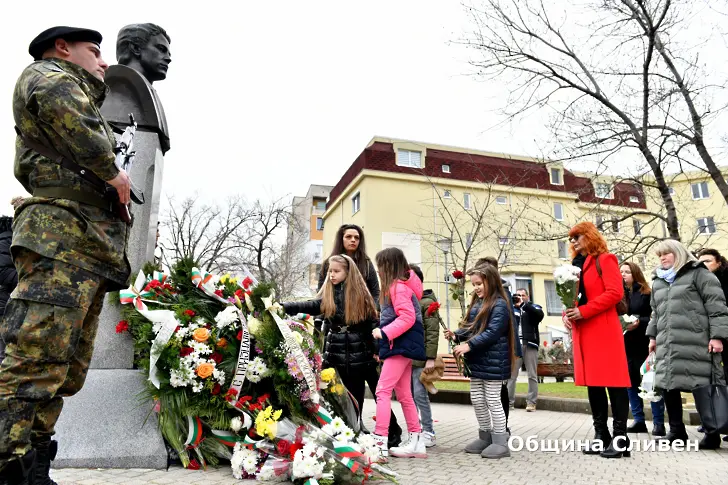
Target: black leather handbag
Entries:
(711, 402)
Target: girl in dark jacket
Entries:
(351, 316)
(636, 344)
(487, 340)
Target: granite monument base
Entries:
(103, 426)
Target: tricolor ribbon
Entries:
(311, 481)
(135, 294)
(159, 276)
(227, 438)
(322, 415)
(347, 449)
(250, 442)
(350, 464)
(194, 432)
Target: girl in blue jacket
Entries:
(486, 341)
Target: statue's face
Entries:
(155, 58)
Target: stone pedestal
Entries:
(104, 426)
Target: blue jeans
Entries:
(422, 400)
(638, 413)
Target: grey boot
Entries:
(499, 447)
(477, 446)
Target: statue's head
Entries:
(144, 47)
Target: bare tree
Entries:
(612, 86)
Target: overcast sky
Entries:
(266, 98)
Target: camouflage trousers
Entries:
(49, 330)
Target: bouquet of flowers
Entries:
(647, 386)
(231, 377)
(626, 321)
(567, 284)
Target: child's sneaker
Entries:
(412, 447)
(381, 443)
(429, 439)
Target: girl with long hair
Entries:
(345, 302)
(487, 341)
(349, 240)
(401, 338)
(636, 343)
(600, 361)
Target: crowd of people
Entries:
(682, 317)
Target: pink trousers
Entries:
(396, 376)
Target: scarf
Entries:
(666, 274)
(579, 261)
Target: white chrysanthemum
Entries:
(219, 376)
(365, 440)
(250, 464)
(197, 387)
(236, 461)
(236, 424)
(200, 348)
(177, 378)
(328, 429)
(338, 425)
(182, 332)
(227, 317)
(347, 434)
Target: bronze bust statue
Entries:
(144, 48)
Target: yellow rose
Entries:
(338, 389)
(205, 370)
(327, 375)
(201, 334)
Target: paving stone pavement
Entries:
(447, 464)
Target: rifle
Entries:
(124, 159)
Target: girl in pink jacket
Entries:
(401, 338)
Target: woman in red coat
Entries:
(600, 361)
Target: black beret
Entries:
(46, 39)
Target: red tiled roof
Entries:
(485, 169)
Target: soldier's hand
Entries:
(122, 184)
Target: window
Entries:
(355, 203)
(599, 221)
(634, 198)
(615, 225)
(445, 168)
(556, 178)
(553, 302)
(603, 191)
(524, 282)
(320, 205)
(562, 250)
(706, 225)
(503, 241)
(558, 211)
(501, 200)
(637, 225)
(700, 190)
(466, 201)
(409, 158)
(447, 194)
(319, 224)
(468, 240)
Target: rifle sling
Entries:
(54, 156)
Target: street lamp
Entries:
(445, 245)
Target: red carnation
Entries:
(215, 389)
(194, 464)
(255, 407)
(247, 282)
(245, 399)
(218, 293)
(230, 395)
(190, 313)
(239, 293)
(217, 357)
(263, 398)
(185, 351)
(122, 326)
(457, 274)
(240, 335)
(434, 306)
(177, 329)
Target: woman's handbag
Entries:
(711, 402)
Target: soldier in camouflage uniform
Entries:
(69, 247)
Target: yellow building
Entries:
(422, 197)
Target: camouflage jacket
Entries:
(57, 103)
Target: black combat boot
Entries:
(18, 471)
(45, 454)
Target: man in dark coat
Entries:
(8, 275)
